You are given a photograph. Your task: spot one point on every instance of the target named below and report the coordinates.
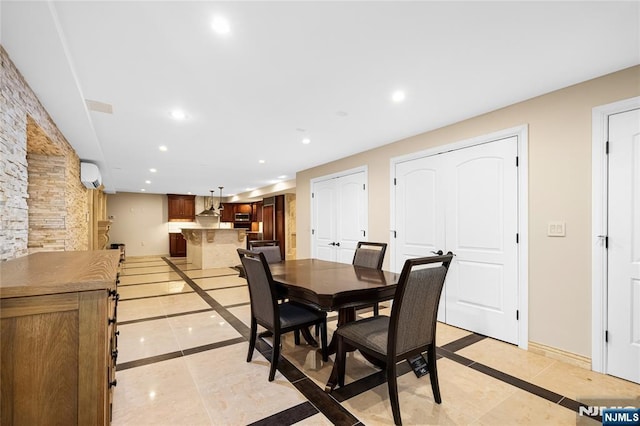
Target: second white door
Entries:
(465, 201)
(339, 207)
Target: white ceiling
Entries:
(290, 70)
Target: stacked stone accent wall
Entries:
(26, 128)
(47, 207)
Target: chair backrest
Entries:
(261, 243)
(415, 305)
(369, 255)
(262, 290)
(270, 248)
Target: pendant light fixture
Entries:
(220, 206)
(211, 211)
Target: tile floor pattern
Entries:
(182, 361)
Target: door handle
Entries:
(337, 244)
(439, 252)
(332, 244)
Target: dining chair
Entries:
(409, 331)
(370, 255)
(277, 318)
(270, 248)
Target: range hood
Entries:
(213, 211)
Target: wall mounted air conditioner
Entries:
(90, 175)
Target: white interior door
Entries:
(420, 229)
(324, 207)
(339, 220)
(420, 222)
(481, 229)
(623, 286)
(352, 214)
(465, 201)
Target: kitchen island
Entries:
(213, 247)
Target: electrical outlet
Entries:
(556, 229)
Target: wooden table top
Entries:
(332, 285)
(58, 272)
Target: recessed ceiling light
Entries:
(142, 189)
(178, 114)
(220, 25)
(261, 161)
(282, 177)
(153, 170)
(147, 182)
(398, 96)
(249, 189)
(162, 148)
(306, 141)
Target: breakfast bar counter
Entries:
(213, 247)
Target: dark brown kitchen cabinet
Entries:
(256, 212)
(177, 245)
(181, 208)
(228, 213)
(243, 208)
(273, 221)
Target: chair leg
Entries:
(296, 337)
(392, 383)
(323, 342)
(252, 339)
(376, 310)
(433, 373)
(341, 360)
(275, 354)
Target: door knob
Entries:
(338, 244)
(439, 252)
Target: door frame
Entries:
(599, 213)
(522, 134)
(336, 175)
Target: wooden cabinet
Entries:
(58, 337)
(228, 213)
(177, 245)
(256, 212)
(243, 208)
(181, 208)
(273, 221)
(252, 209)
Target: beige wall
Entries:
(140, 222)
(559, 190)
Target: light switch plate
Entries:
(556, 229)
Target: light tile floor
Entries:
(182, 362)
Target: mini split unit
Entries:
(90, 175)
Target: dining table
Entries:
(334, 286)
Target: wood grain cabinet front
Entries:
(177, 245)
(58, 338)
(181, 208)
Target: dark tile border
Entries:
(323, 401)
(320, 401)
(289, 416)
(177, 314)
(178, 354)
